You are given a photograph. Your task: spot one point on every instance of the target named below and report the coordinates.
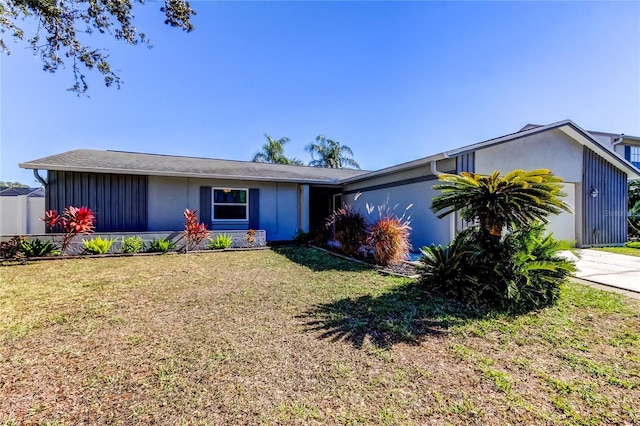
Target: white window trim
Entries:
(213, 204)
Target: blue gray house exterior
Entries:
(136, 192)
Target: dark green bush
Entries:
(161, 245)
(301, 237)
(522, 271)
(38, 248)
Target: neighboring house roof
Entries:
(133, 163)
(14, 192)
(567, 126)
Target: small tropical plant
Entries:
(632, 244)
(161, 245)
(133, 244)
(10, 249)
(71, 222)
(301, 237)
(349, 228)
(389, 240)
(194, 231)
(220, 242)
(38, 248)
(97, 245)
(250, 237)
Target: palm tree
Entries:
(495, 202)
(273, 152)
(331, 154)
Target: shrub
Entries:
(10, 249)
(633, 244)
(71, 222)
(520, 272)
(161, 245)
(448, 270)
(389, 240)
(194, 231)
(97, 245)
(132, 244)
(349, 228)
(221, 241)
(38, 248)
(250, 237)
(301, 237)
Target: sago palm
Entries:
(495, 202)
(331, 154)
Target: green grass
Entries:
(296, 336)
(621, 250)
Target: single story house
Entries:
(148, 192)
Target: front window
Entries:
(230, 204)
(634, 155)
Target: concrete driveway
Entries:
(609, 269)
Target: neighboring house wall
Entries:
(20, 215)
(278, 205)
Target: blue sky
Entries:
(395, 81)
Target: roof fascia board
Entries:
(394, 169)
(507, 138)
(584, 138)
(174, 174)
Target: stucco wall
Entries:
(168, 197)
(549, 150)
(426, 227)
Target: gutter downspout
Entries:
(40, 178)
(453, 216)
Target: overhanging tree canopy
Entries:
(62, 24)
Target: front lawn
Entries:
(295, 336)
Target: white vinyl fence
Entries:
(20, 214)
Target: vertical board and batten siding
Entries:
(118, 201)
(466, 163)
(604, 216)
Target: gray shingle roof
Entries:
(118, 162)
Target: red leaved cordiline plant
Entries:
(71, 222)
(194, 231)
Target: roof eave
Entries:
(395, 169)
(80, 169)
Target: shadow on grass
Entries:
(404, 314)
(318, 260)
